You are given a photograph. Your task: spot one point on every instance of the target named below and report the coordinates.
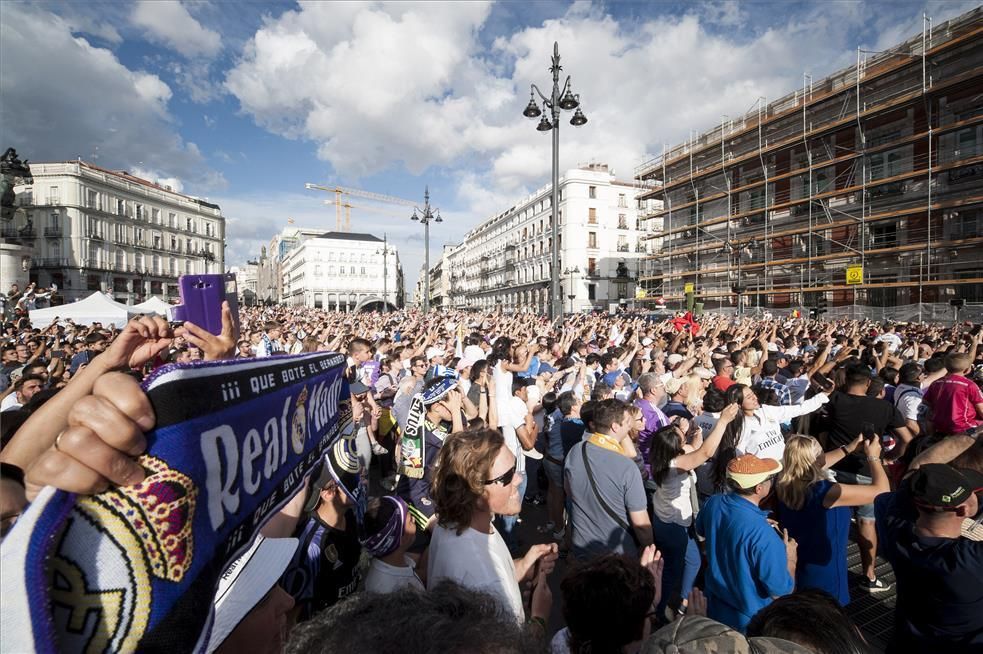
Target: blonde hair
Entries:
(694, 398)
(802, 468)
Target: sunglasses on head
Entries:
(504, 479)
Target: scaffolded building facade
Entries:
(876, 167)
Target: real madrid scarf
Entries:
(413, 444)
(136, 568)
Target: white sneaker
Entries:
(533, 454)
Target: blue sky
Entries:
(244, 102)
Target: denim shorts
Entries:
(866, 511)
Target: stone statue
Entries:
(13, 171)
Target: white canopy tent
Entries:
(95, 308)
(153, 305)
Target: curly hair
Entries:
(463, 464)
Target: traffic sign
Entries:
(855, 275)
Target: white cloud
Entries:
(70, 99)
(168, 23)
(154, 176)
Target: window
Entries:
(208, 229)
(330, 256)
(341, 271)
(622, 221)
(158, 242)
(187, 266)
(119, 233)
(172, 266)
(622, 202)
(139, 215)
(592, 192)
(622, 243)
(353, 270)
(120, 261)
(592, 240)
(172, 220)
(120, 207)
(317, 271)
(592, 291)
(592, 216)
(330, 271)
(363, 271)
(187, 245)
(92, 199)
(174, 245)
(138, 261)
(54, 220)
(54, 195)
(189, 224)
(592, 268)
(156, 264)
(155, 216)
(138, 235)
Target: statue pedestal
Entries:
(15, 265)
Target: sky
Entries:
(243, 103)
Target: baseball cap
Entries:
(357, 388)
(748, 471)
(943, 486)
(341, 465)
(474, 353)
(646, 341)
(674, 359)
(246, 582)
(703, 373)
(465, 362)
(674, 384)
(434, 352)
(695, 634)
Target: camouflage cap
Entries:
(694, 634)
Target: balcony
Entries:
(25, 233)
(51, 263)
(52, 232)
(623, 247)
(94, 236)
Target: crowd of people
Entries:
(701, 478)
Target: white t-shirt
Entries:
(893, 341)
(503, 386)
(513, 416)
(908, 400)
(386, 578)
(10, 402)
(761, 434)
(671, 500)
(476, 560)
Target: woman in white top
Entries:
(475, 478)
(674, 503)
(757, 429)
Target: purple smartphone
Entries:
(201, 301)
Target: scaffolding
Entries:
(878, 166)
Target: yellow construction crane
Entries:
(340, 203)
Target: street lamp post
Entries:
(426, 215)
(385, 272)
(570, 272)
(559, 99)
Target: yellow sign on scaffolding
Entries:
(688, 288)
(639, 293)
(855, 275)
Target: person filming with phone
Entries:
(851, 412)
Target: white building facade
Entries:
(506, 262)
(341, 271)
(100, 230)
